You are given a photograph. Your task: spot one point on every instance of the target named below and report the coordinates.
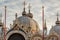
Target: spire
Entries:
(57, 22)
(57, 17)
(45, 28)
(45, 24)
(16, 15)
(24, 12)
(24, 5)
(29, 7)
(5, 24)
(43, 21)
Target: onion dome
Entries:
(56, 28)
(24, 12)
(30, 14)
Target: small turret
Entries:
(45, 28)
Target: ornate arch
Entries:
(52, 36)
(15, 31)
(36, 36)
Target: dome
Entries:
(30, 15)
(57, 29)
(24, 13)
(28, 22)
(24, 20)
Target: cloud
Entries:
(16, 6)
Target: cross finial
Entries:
(24, 12)
(57, 17)
(16, 15)
(29, 7)
(24, 3)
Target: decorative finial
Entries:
(57, 17)
(29, 7)
(45, 28)
(16, 15)
(24, 12)
(24, 5)
(57, 22)
(45, 24)
(29, 13)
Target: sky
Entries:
(51, 8)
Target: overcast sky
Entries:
(51, 7)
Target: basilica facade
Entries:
(26, 28)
